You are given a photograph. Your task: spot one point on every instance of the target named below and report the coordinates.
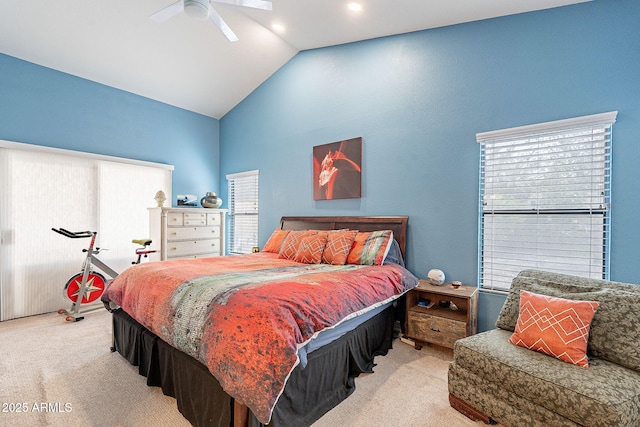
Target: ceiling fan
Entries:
(202, 10)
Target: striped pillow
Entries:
(370, 248)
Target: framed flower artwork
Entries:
(337, 170)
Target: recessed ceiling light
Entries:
(355, 6)
(278, 28)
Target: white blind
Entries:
(545, 194)
(45, 188)
(243, 212)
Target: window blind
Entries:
(243, 212)
(545, 193)
(43, 188)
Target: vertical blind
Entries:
(243, 212)
(545, 193)
(42, 189)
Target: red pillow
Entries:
(310, 248)
(338, 246)
(554, 326)
(275, 241)
(292, 241)
(370, 248)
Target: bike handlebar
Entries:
(74, 234)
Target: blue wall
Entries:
(416, 99)
(419, 99)
(42, 106)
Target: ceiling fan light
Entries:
(197, 9)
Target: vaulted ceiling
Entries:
(189, 63)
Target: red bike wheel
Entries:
(94, 289)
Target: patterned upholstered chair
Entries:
(492, 379)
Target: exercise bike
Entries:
(88, 285)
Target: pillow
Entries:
(554, 326)
(612, 336)
(338, 246)
(310, 248)
(290, 244)
(394, 256)
(370, 248)
(275, 241)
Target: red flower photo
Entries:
(337, 170)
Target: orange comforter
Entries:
(244, 317)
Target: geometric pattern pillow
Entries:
(275, 241)
(290, 245)
(310, 248)
(338, 246)
(555, 326)
(370, 248)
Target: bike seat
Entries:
(143, 242)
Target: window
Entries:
(545, 194)
(243, 212)
(43, 188)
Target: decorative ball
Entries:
(436, 277)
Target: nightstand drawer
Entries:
(435, 329)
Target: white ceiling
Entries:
(189, 63)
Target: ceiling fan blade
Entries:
(254, 4)
(222, 26)
(168, 12)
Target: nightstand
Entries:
(435, 323)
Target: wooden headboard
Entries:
(397, 224)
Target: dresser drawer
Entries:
(190, 233)
(435, 329)
(195, 219)
(203, 255)
(192, 247)
(213, 219)
(174, 218)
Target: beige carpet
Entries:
(55, 373)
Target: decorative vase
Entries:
(211, 200)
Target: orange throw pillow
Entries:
(338, 246)
(554, 326)
(290, 245)
(275, 241)
(370, 248)
(310, 248)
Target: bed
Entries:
(273, 340)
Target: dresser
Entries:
(187, 232)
